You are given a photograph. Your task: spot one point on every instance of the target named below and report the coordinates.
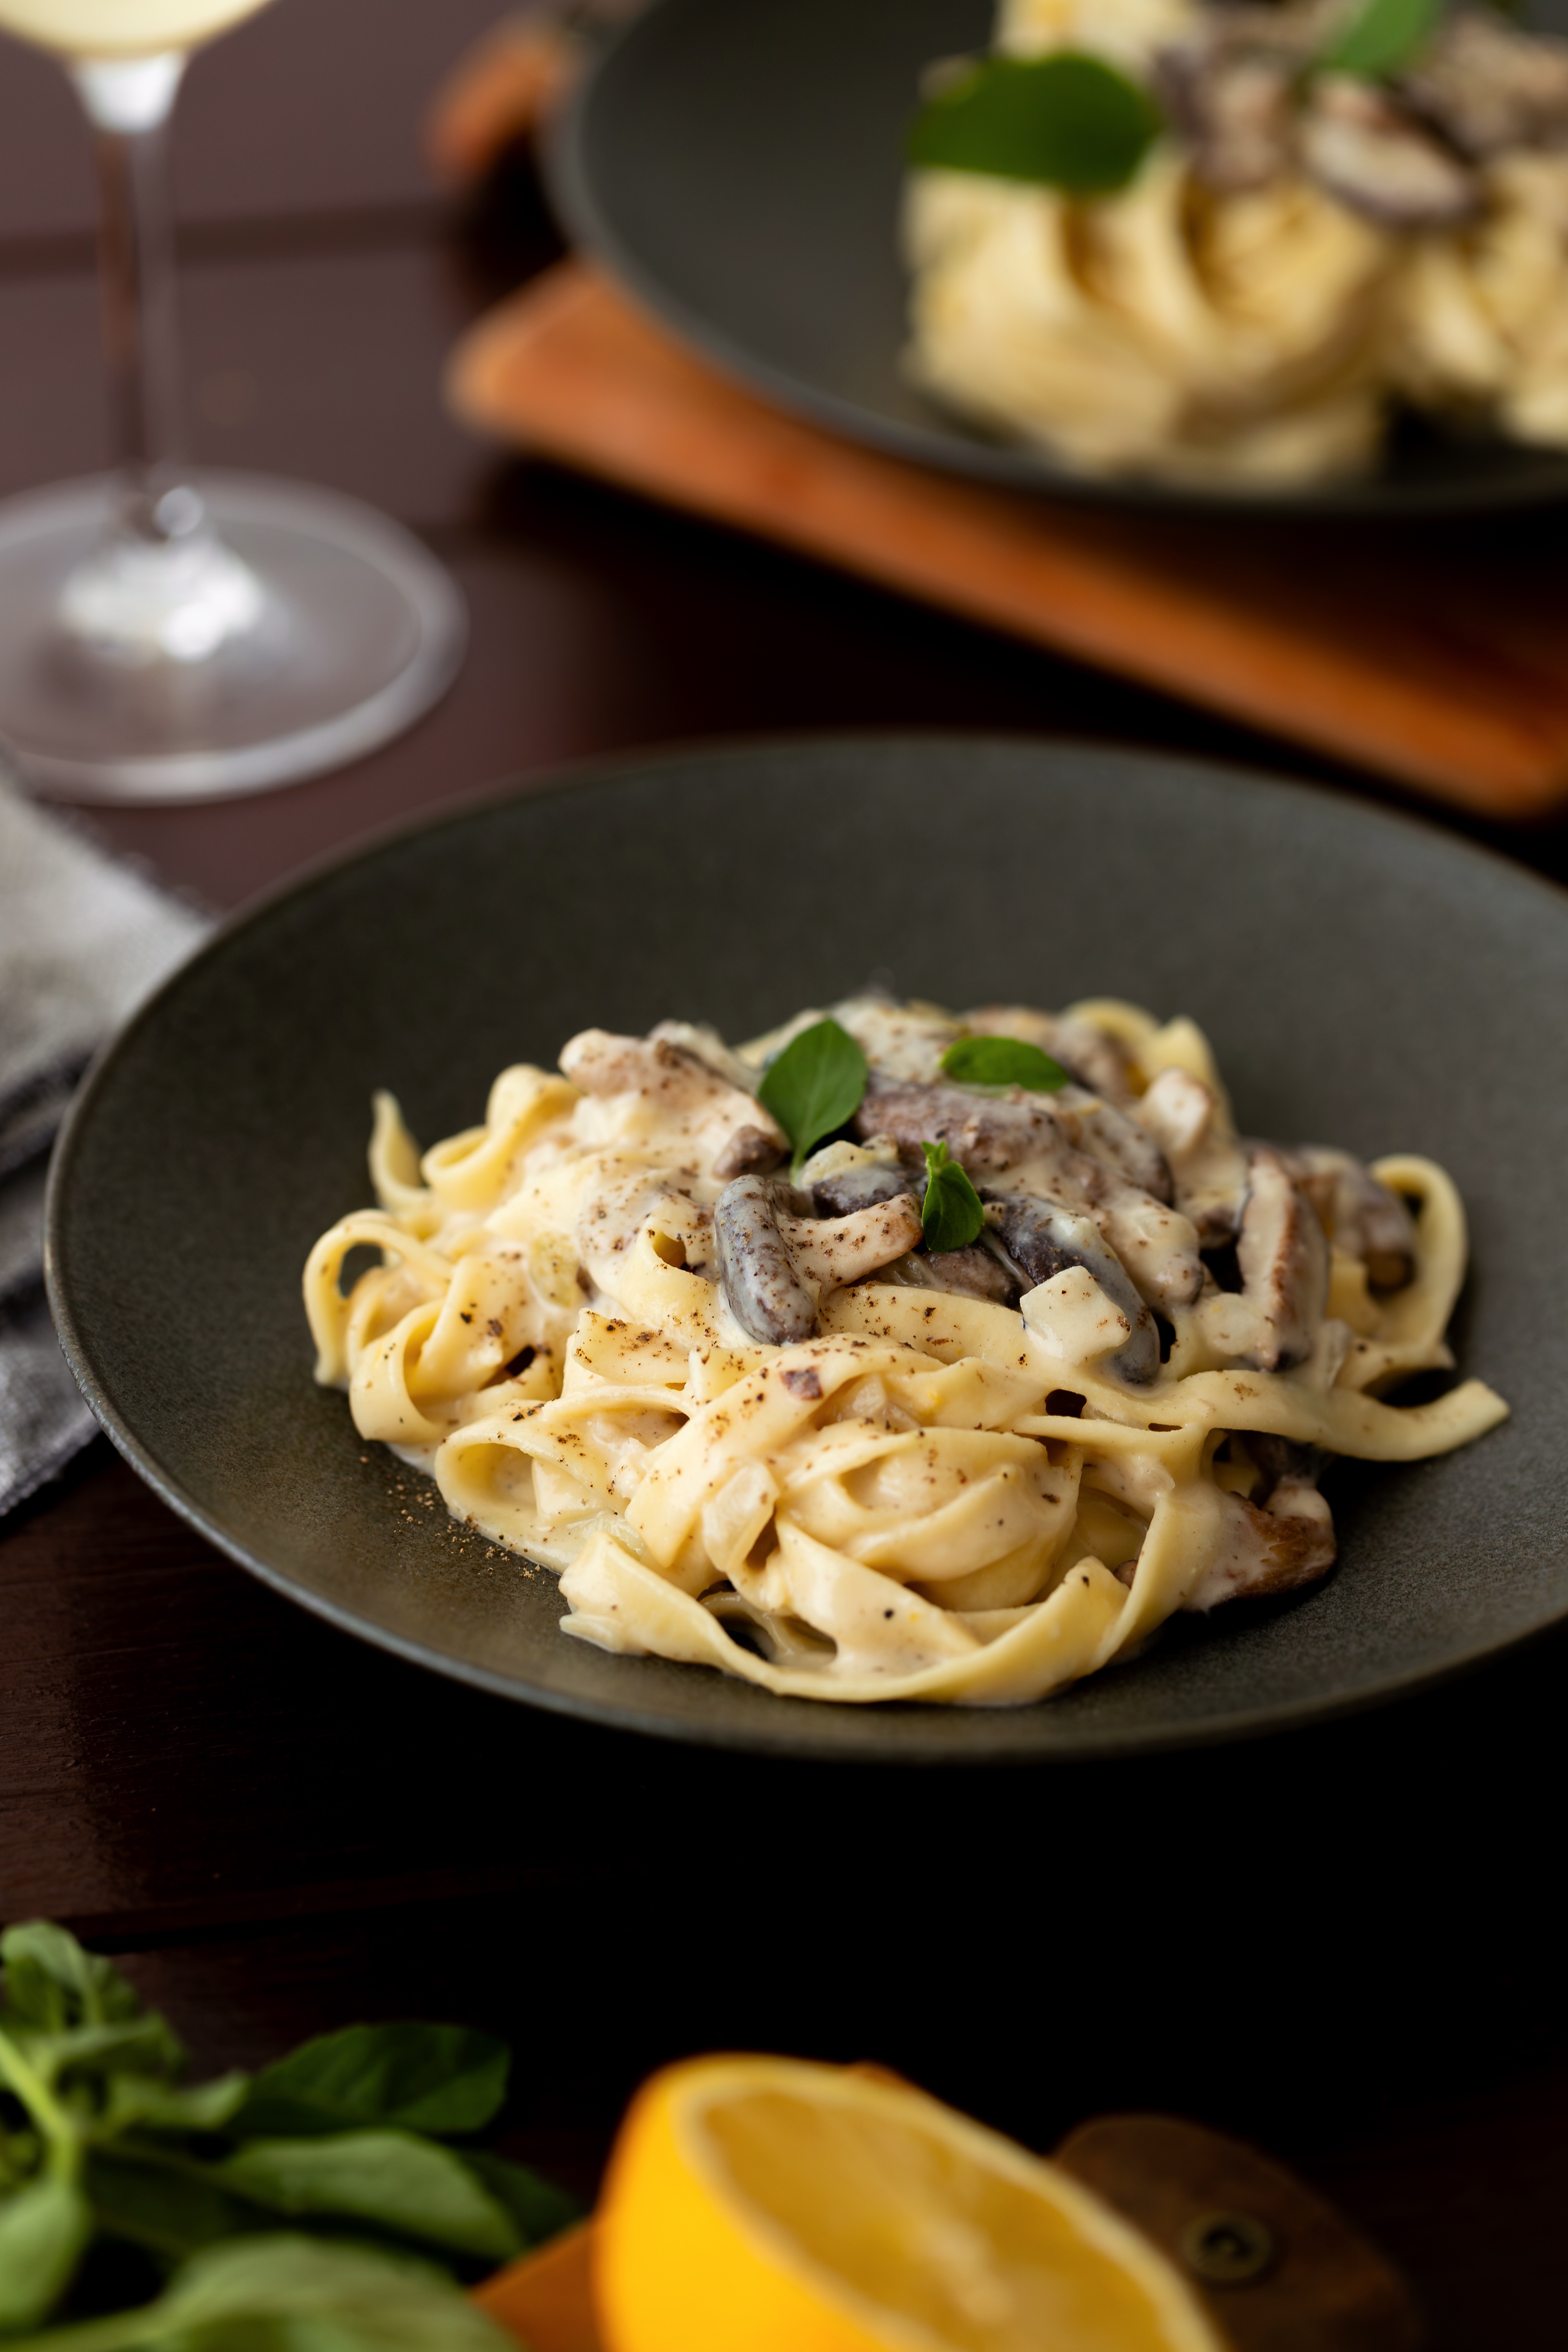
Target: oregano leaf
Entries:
(1003, 1062)
(952, 1213)
(1386, 35)
(1068, 120)
(816, 1085)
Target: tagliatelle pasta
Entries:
(1302, 248)
(755, 1421)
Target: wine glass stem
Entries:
(128, 103)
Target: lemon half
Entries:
(765, 2205)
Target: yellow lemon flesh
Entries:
(764, 2205)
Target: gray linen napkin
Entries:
(83, 940)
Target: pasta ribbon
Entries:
(963, 1484)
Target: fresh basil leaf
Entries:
(1386, 36)
(426, 2078)
(43, 1962)
(43, 2229)
(284, 2294)
(951, 1213)
(1003, 1062)
(1067, 121)
(172, 2209)
(164, 2106)
(538, 2209)
(142, 2046)
(386, 2177)
(816, 1085)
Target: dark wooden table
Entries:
(1340, 1943)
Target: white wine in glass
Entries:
(166, 637)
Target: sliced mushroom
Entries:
(701, 1038)
(860, 1187)
(1361, 1215)
(1362, 148)
(766, 1295)
(1023, 1136)
(776, 1267)
(1487, 85)
(1042, 1239)
(749, 1152)
(1233, 107)
(1208, 1166)
(670, 1081)
(975, 1271)
(1265, 1552)
(1283, 1254)
(1107, 1133)
(901, 1041)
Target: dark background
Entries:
(1340, 1943)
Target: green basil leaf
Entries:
(163, 2107)
(1386, 36)
(142, 2046)
(426, 2078)
(43, 2229)
(816, 1085)
(1003, 1062)
(389, 2178)
(952, 1213)
(170, 2208)
(44, 1963)
(538, 2209)
(1067, 121)
(283, 2294)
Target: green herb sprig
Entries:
(816, 1085)
(1383, 38)
(282, 2196)
(951, 1213)
(1003, 1062)
(1068, 120)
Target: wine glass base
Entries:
(361, 630)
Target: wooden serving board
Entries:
(1432, 652)
(1278, 2269)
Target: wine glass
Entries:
(164, 638)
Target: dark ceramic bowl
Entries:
(1365, 981)
(738, 164)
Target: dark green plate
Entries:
(1365, 981)
(737, 163)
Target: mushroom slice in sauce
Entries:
(974, 1272)
(749, 1152)
(901, 1041)
(701, 1038)
(669, 1081)
(1107, 1133)
(766, 1295)
(1362, 148)
(1231, 105)
(861, 1186)
(1283, 1254)
(1362, 1216)
(1285, 1469)
(1043, 1239)
(1265, 1552)
(775, 1266)
(1488, 85)
(1020, 1134)
(1188, 1121)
